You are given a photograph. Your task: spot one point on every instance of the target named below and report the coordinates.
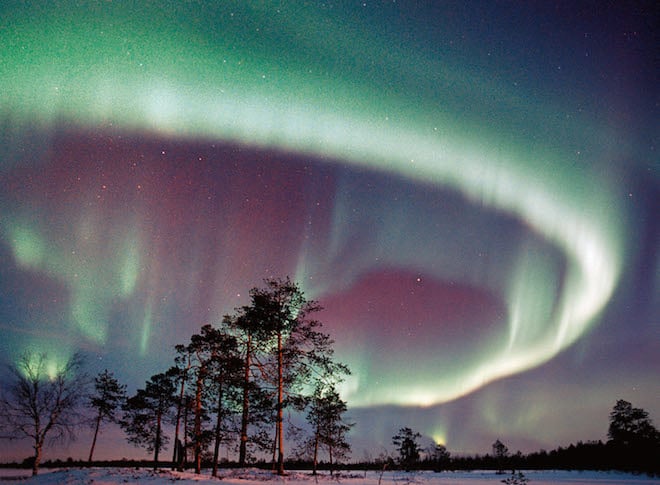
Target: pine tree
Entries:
(325, 416)
(225, 371)
(108, 397)
(179, 374)
(406, 442)
(630, 426)
(245, 327)
(439, 456)
(634, 440)
(501, 453)
(213, 367)
(145, 412)
(296, 348)
(200, 351)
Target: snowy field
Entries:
(258, 477)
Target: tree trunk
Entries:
(330, 458)
(38, 447)
(280, 410)
(274, 460)
(186, 410)
(159, 417)
(175, 458)
(242, 452)
(96, 432)
(218, 426)
(198, 423)
(316, 451)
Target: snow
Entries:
(113, 476)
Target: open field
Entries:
(257, 477)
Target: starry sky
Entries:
(470, 189)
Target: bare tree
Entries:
(43, 402)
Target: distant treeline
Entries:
(592, 455)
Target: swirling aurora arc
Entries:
(159, 163)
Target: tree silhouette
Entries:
(202, 349)
(297, 350)
(500, 452)
(213, 365)
(439, 456)
(43, 403)
(179, 375)
(255, 403)
(144, 413)
(406, 442)
(108, 396)
(225, 378)
(630, 426)
(516, 479)
(329, 429)
(634, 440)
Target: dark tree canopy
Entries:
(630, 426)
(501, 453)
(215, 371)
(255, 401)
(500, 450)
(406, 442)
(145, 411)
(296, 352)
(325, 415)
(106, 400)
(633, 439)
(439, 456)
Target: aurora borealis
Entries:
(469, 189)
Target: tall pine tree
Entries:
(329, 428)
(145, 412)
(108, 396)
(296, 349)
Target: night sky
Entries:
(470, 189)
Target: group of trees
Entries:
(232, 385)
(229, 385)
(436, 457)
(633, 444)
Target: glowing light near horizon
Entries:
(246, 106)
(439, 438)
(50, 367)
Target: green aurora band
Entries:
(327, 86)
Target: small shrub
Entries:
(516, 479)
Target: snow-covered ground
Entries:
(112, 476)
